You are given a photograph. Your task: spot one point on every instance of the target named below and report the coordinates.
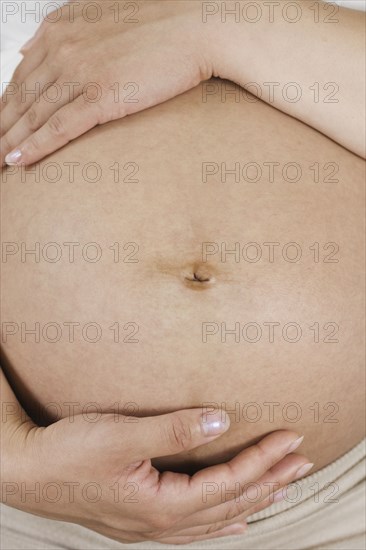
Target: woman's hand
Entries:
(99, 475)
(85, 73)
(306, 60)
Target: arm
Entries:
(323, 53)
(120, 67)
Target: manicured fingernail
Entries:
(303, 470)
(215, 424)
(295, 444)
(14, 157)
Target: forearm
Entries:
(312, 69)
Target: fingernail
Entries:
(14, 157)
(295, 444)
(215, 423)
(303, 470)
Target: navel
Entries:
(198, 276)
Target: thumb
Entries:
(173, 433)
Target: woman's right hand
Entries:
(99, 475)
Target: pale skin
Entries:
(326, 63)
(167, 507)
(188, 523)
(169, 212)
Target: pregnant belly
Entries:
(161, 286)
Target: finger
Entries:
(218, 484)
(285, 471)
(35, 38)
(32, 120)
(27, 46)
(137, 536)
(278, 495)
(235, 529)
(68, 123)
(173, 433)
(25, 68)
(207, 531)
(258, 495)
(29, 63)
(29, 92)
(255, 496)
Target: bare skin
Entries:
(135, 501)
(171, 291)
(307, 59)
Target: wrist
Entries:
(250, 40)
(198, 39)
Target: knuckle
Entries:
(16, 76)
(261, 454)
(5, 144)
(62, 16)
(32, 119)
(33, 144)
(18, 101)
(56, 126)
(178, 434)
(213, 528)
(231, 513)
(103, 112)
(65, 16)
(92, 93)
(103, 116)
